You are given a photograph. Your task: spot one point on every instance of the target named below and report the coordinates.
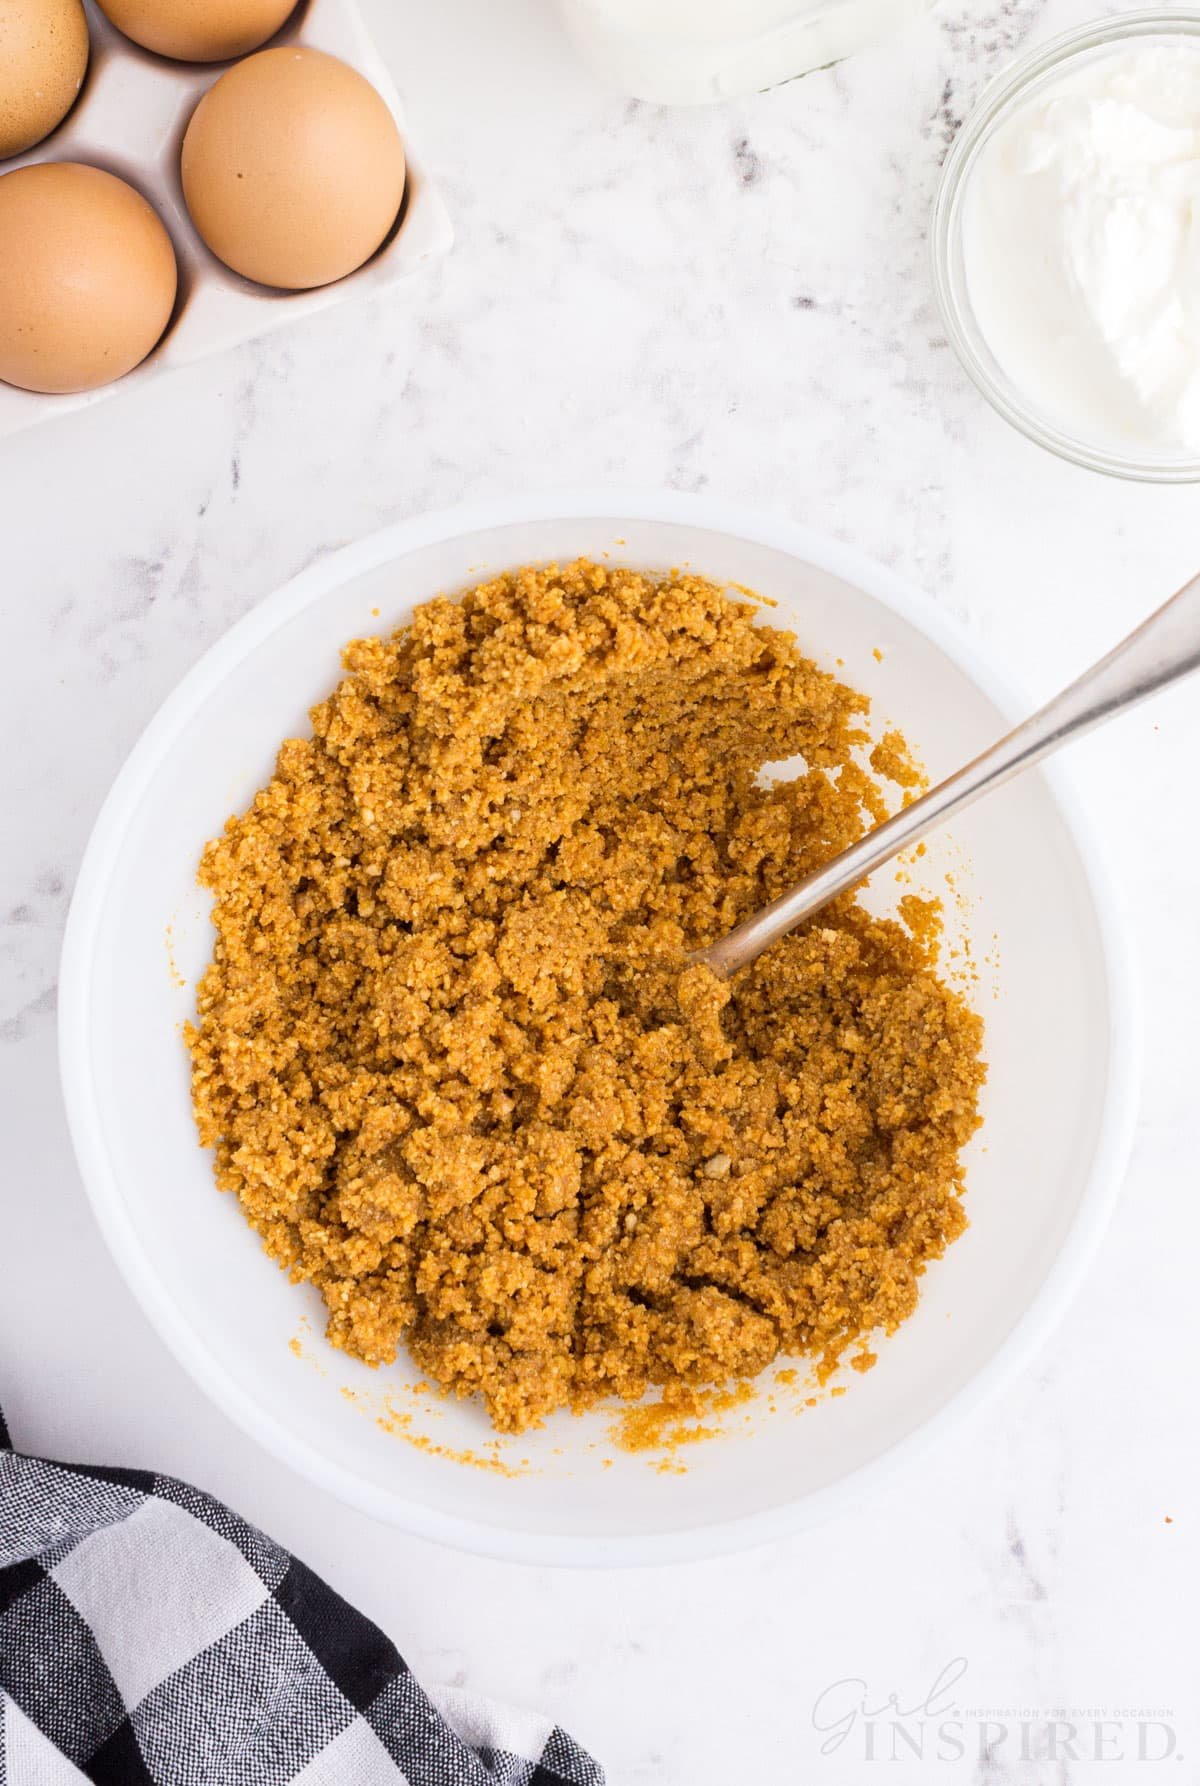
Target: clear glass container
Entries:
(691, 52)
(1022, 81)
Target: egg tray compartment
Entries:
(130, 119)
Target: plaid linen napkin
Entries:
(147, 1634)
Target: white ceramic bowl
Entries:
(1061, 1043)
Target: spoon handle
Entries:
(1164, 648)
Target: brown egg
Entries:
(87, 277)
(293, 168)
(43, 59)
(198, 30)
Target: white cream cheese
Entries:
(1081, 244)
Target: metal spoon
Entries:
(1160, 651)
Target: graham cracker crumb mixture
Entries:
(449, 1054)
(663, 1425)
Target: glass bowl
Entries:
(1030, 73)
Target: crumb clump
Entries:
(892, 758)
(449, 1054)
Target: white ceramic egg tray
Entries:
(130, 119)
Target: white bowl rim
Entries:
(1029, 1332)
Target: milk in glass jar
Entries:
(689, 52)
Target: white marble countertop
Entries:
(733, 300)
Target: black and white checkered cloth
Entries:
(149, 1634)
